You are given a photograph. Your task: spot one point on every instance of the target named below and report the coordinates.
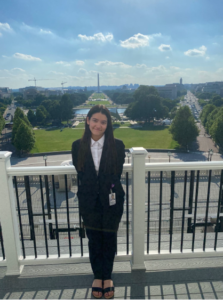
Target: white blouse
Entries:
(96, 150)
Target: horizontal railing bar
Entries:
(183, 166)
(51, 170)
(203, 215)
(62, 221)
(59, 170)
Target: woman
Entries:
(98, 158)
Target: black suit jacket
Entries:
(91, 186)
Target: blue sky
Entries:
(126, 41)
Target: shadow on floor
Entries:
(36, 283)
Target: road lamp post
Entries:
(210, 153)
(169, 154)
(45, 158)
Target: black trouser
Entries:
(102, 248)
(102, 242)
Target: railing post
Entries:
(8, 217)
(138, 207)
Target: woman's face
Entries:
(97, 125)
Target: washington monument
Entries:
(98, 84)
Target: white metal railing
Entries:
(8, 216)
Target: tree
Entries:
(18, 113)
(40, 116)
(183, 127)
(2, 123)
(144, 90)
(205, 112)
(217, 101)
(18, 118)
(31, 117)
(147, 108)
(55, 110)
(211, 118)
(66, 107)
(24, 139)
(173, 113)
(216, 130)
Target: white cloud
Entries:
(5, 27)
(72, 77)
(167, 57)
(36, 30)
(164, 47)
(142, 66)
(138, 40)
(174, 68)
(42, 31)
(26, 57)
(207, 57)
(158, 69)
(79, 62)
(110, 63)
(82, 72)
(94, 73)
(196, 52)
(55, 73)
(100, 37)
(219, 70)
(64, 63)
(109, 74)
(18, 70)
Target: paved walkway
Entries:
(204, 142)
(163, 279)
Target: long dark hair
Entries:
(109, 143)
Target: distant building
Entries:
(209, 87)
(85, 89)
(53, 93)
(29, 92)
(179, 86)
(5, 92)
(167, 91)
(213, 87)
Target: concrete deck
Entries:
(163, 279)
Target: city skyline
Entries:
(74, 41)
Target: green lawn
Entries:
(152, 137)
(98, 96)
(107, 103)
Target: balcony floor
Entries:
(163, 279)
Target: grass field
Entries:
(154, 137)
(98, 96)
(107, 103)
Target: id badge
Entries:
(112, 198)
